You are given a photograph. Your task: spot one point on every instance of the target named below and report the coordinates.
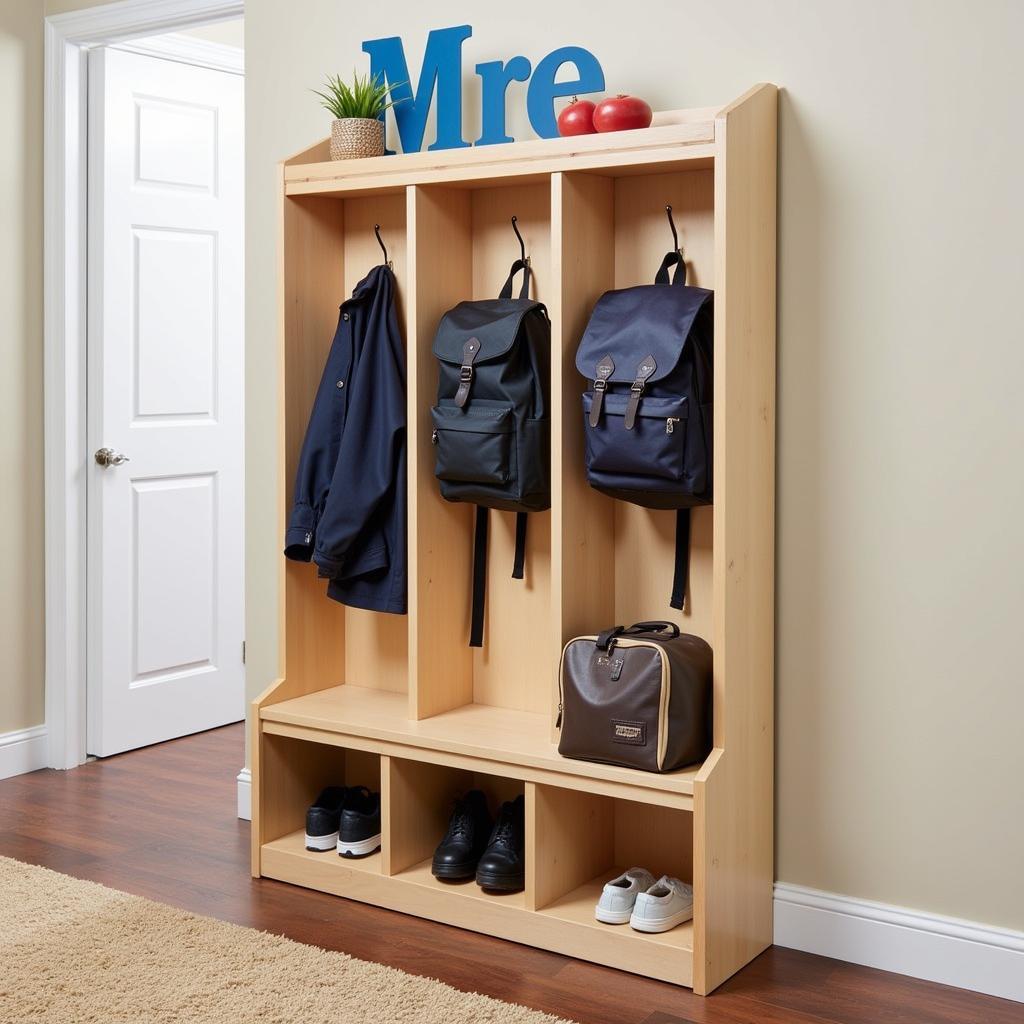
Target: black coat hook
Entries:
(675, 235)
(522, 244)
(383, 247)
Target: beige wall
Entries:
(900, 534)
(21, 363)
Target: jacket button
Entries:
(344, 316)
(340, 384)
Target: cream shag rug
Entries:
(73, 952)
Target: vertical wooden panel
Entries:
(312, 247)
(440, 533)
(511, 670)
(583, 572)
(733, 857)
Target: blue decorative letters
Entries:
(442, 69)
(544, 89)
(441, 73)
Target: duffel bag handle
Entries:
(606, 636)
(524, 292)
(658, 626)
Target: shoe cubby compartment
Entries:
(421, 799)
(295, 771)
(587, 840)
(464, 246)
(329, 245)
(407, 695)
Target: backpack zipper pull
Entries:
(670, 424)
(433, 436)
(558, 720)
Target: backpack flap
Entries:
(632, 327)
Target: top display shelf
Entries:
(676, 139)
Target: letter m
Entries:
(442, 70)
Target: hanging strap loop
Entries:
(476, 629)
(524, 291)
(672, 259)
(519, 564)
(682, 562)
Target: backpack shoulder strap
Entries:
(524, 292)
(672, 259)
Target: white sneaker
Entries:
(667, 903)
(619, 895)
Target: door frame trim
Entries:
(67, 38)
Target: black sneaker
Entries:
(359, 828)
(502, 866)
(322, 819)
(466, 839)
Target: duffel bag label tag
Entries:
(629, 732)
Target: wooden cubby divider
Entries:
(401, 703)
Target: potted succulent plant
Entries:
(358, 109)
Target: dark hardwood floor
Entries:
(160, 822)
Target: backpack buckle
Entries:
(469, 352)
(647, 367)
(605, 368)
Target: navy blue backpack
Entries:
(649, 356)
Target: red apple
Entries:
(621, 113)
(577, 118)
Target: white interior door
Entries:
(165, 392)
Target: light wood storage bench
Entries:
(401, 703)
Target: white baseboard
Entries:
(929, 946)
(245, 794)
(25, 750)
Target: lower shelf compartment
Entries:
(420, 874)
(577, 907)
(563, 927)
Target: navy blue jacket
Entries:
(349, 511)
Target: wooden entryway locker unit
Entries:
(401, 703)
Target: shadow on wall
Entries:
(801, 556)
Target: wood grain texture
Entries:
(733, 857)
(506, 671)
(440, 532)
(160, 823)
(583, 582)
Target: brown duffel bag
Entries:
(637, 697)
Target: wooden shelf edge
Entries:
(436, 740)
(283, 862)
(676, 144)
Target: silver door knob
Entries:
(108, 457)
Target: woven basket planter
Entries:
(354, 137)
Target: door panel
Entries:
(165, 390)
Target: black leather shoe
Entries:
(502, 866)
(469, 827)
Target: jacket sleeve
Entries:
(370, 452)
(316, 464)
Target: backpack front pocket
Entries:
(654, 447)
(475, 444)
